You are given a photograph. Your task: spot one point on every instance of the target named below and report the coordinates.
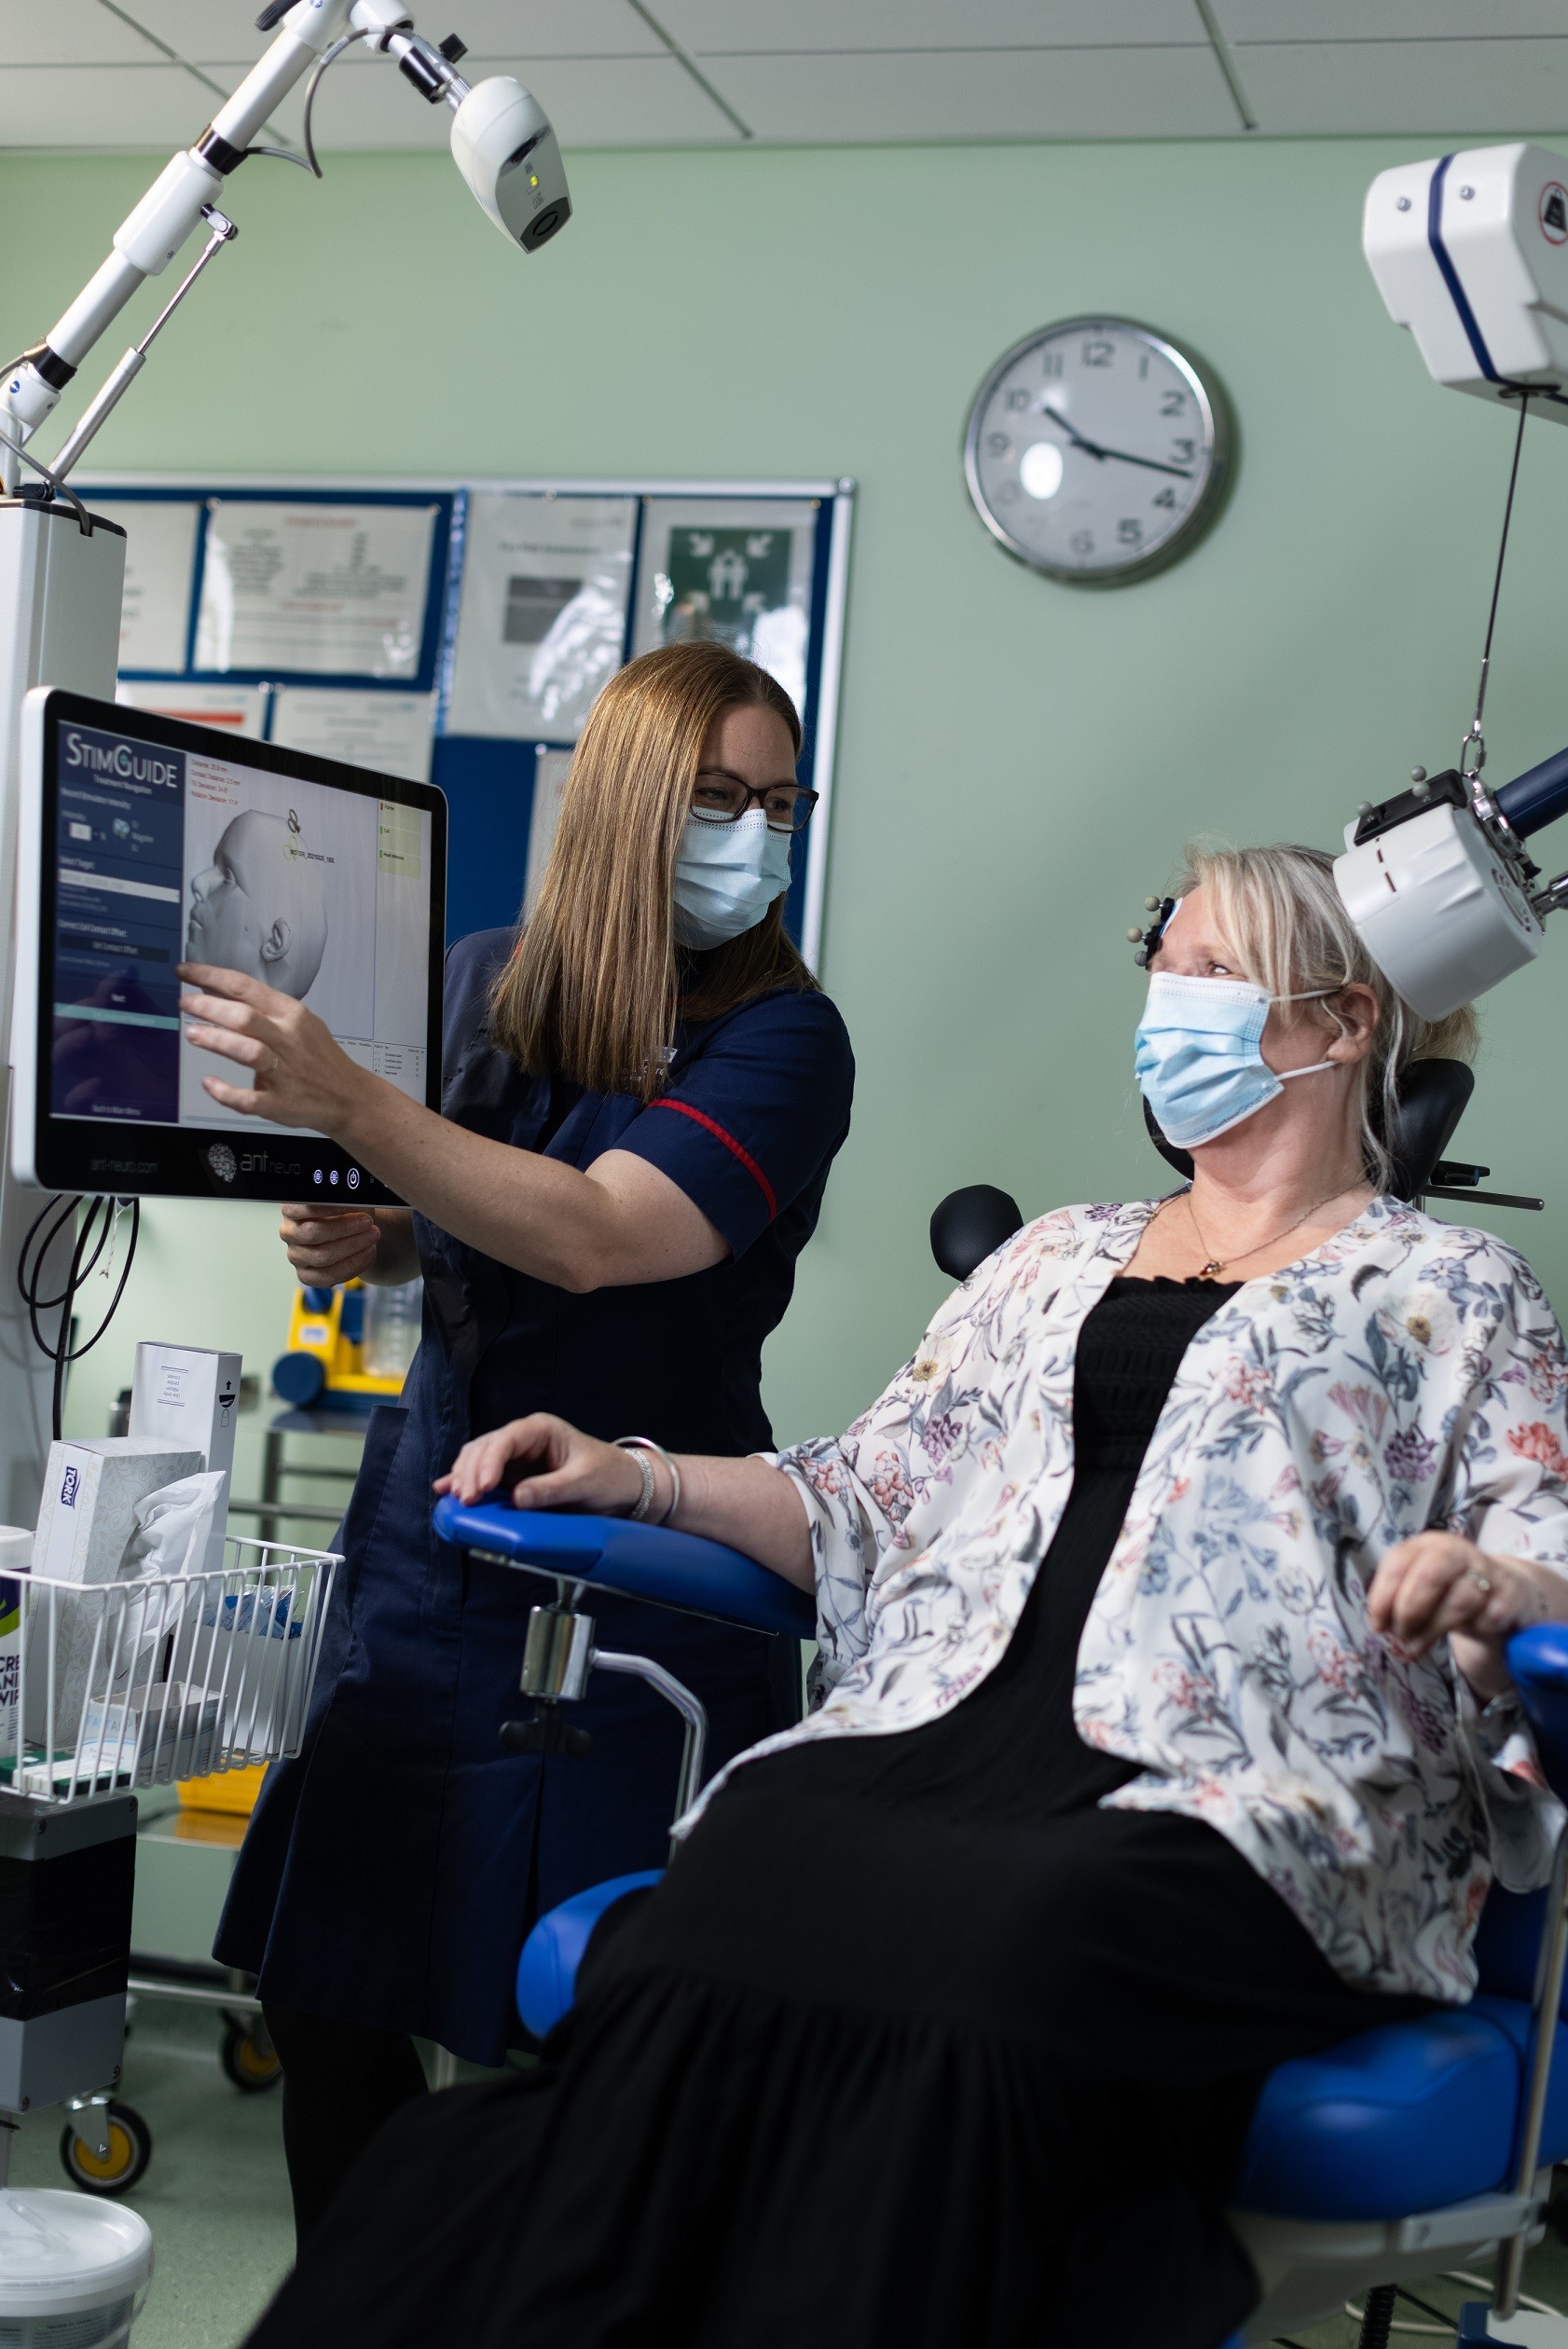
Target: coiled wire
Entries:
(94, 1234)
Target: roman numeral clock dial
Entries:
(1098, 451)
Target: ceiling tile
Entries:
(106, 108)
(1387, 20)
(592, 101)
(752, 27)
(68, 32)
(223, 32)
(1465, 88)
(1108, 93)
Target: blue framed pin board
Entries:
(458, 631)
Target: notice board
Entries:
(458, 631)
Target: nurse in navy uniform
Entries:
(642, 1095)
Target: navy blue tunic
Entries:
(392, 1871)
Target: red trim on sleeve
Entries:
(731, 1144)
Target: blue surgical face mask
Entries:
(726, 876)
(1198, 1056)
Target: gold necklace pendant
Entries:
(1212, 1270)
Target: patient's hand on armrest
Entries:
(550, 1464)
(1439, 1586)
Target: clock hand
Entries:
(1122, 456)
(1125, 457)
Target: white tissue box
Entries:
(90, 1490)
(16, 1547)
(92, 1487)
(178, 1734)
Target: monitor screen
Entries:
(146, 842)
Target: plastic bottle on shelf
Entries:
(391, 1328)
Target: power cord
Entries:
(95, 1233)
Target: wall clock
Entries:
(1098, 451)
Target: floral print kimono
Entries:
(1406, 1375)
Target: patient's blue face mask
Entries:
(1198, 1056)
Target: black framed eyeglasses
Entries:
(719, 797)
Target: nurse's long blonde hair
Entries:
(591, 990)
(1287, 925)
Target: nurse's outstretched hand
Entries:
(549, 1465)
(301, 1075)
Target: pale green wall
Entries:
(1019, 763)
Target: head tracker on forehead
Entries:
(1148, 942)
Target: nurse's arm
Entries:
(549, 1465)
(619, 1223)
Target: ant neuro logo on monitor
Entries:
(222, 1161)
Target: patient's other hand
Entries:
(1439, 1586)
(550, 1465)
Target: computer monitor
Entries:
(145, 843)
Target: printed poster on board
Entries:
(542, 623)
(325, 588)
(736, 568)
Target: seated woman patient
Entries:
(1162, 1601)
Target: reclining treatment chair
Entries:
(1412, 2147)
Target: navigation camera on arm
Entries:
(501, 142)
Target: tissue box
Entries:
(16, 1546)
(92, 1487)
(90, 1490)
(178, 1735)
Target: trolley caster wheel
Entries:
(249, 2059)
(130, 2149)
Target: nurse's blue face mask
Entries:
(726, 876)
(1198, 1056)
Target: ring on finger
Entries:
(1482, 1582)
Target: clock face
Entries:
(1097, 451)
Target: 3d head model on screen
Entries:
(260, 906)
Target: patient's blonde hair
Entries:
(1285, 923)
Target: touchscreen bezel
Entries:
(123, 1157)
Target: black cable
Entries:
(1444, 2317)
(1377, 2319)
(1502, 553)
(27, 1283)
(281, 155)
(94, 1236)
(58, 487)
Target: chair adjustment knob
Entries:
(548, 1731)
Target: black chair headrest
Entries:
(1432, 1097)
(970, 1225)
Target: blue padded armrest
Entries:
(641, 1561)
(547, 1968)
(1406, 2116)
(1538, 1660)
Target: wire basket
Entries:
(109, 1686)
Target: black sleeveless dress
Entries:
(914, 2045)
